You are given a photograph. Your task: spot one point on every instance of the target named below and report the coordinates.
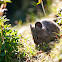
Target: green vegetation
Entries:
(8, 41)
(27, 10)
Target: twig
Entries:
(43, 8)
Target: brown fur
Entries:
(44, 31)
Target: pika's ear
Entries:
(30, 25)
(38, 24)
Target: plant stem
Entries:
(43, 9)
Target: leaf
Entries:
(1, 2)
(4, 1)
(3, 46)
(39, 2)
(2, 54)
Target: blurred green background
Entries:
(26, 10)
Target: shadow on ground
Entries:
(46, 47)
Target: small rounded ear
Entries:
(38, 24)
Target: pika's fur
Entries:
(44, 30)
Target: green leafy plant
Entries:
(8, 41)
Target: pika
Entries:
(44, 30)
